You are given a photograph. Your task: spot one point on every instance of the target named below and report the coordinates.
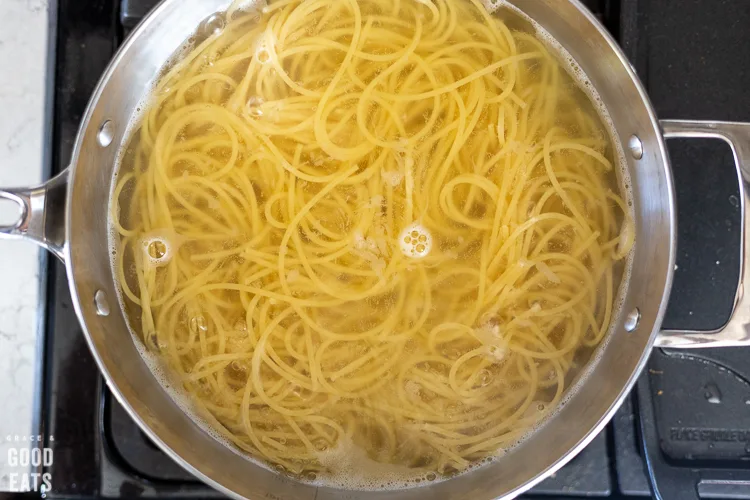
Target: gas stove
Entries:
(684, 433)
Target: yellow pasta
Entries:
(387, 226)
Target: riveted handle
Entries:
(736, 331)
(42, 214)
(22, 202)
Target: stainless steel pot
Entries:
(68, 215)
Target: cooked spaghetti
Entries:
(370, 230)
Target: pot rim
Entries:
(154, 17)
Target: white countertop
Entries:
(23, 66)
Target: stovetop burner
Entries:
(685, 430)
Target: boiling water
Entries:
(333, 369)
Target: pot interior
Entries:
(607, 379)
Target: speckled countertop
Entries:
(23, 66)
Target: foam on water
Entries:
(172, 385)
(349, 467)
(415, 241)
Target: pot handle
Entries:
(736, 331)
(42, 214)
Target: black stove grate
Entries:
(694, 406)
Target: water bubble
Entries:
(263, 55)
(157, 249)
(431, 476)
(254, 107)
(484, 378)
(415, 241)
(310, 475)
(198, 324)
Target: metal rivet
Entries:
(106, 133)
(636, 147)
(632, 320)
(101, 303)
(213, 25)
